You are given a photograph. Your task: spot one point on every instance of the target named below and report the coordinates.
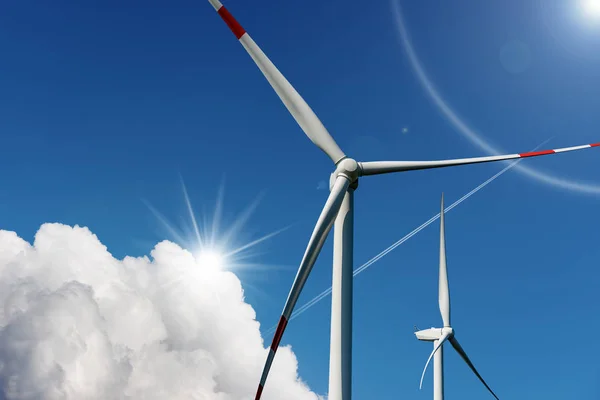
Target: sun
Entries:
(210, 259)
(214, 245)
(592, 8)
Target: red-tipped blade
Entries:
(258, 392)
(315, 244)
(384, 167)
(300, 110)
(235, 26)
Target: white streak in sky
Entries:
(379, 256)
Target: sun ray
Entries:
(256, 242)
(218, 212)
(255, 289)
(186, 227)
(242, 219)
(205, 223)
(263, 267)
(164, 221)
(191, 212)
(214, 245)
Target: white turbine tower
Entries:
(339, 208)
(440, 335)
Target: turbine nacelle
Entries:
(433, 334)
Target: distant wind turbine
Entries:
(440, 335)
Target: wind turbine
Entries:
(339, 209)
(440, 335)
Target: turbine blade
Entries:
(385, 167)
(444, 290)
(322, 228)
(300, 110)
(440, 343)
(464, 356)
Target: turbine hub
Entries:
(429, 335)
(448, 330)
(349, 168)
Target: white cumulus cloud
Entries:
(76, 323)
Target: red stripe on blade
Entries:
(537, 153)
(595, 145)
(235, 27)
(259, 392)
(279, 333)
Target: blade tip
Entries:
(536, 153)
(216, 4)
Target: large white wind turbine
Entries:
(338, 209)
(440, 335)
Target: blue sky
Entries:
(103, 105)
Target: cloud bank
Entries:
(76, 323)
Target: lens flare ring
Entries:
(468, 132)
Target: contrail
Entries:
(373, 260)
